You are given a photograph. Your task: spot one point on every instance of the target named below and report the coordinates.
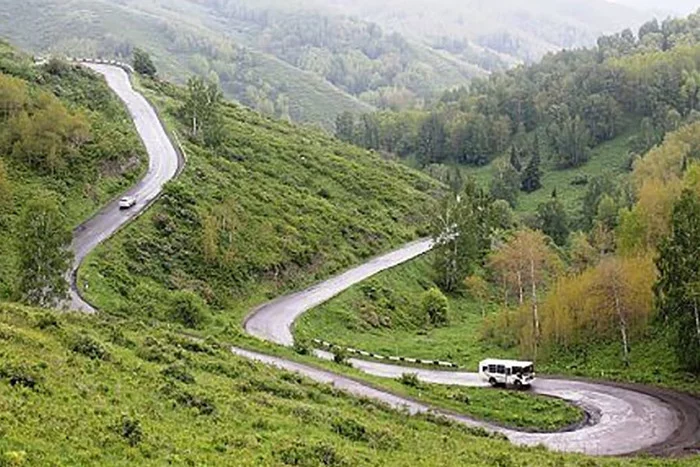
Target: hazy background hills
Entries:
(309, 60)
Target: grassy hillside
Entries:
(272, 209)
(181, 46)
(69, 138)
(79, 390)
(383, 315)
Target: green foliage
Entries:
(435, 307)
(129, 429)
(88, 346)
(188, 309)
(553, 220)
(201, 110)
(532, 174)
(44, 237)
(143, 64)
(677, 289)
(64, 136)
(461, 229)
(410, 380)
(272, 207)
(505, 184)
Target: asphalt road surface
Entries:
(163, 164)
(624, 419)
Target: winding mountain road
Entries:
(164, 163)
(624, 419)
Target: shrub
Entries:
(89, 347)
(129, 429)
(410, 380)
(179, 373)
(188, 309)
(340, 355)
(302, 454)
(350, 429)
(203, 404)
(302, 346)
(48, 320)
(435, 307)
(20, 375)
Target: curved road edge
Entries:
(165, 162)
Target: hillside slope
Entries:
(273, 208)
(63, 136)
(301, 65)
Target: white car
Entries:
(127, 202)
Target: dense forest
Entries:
(553, 112)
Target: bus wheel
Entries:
(493, 382)
(518, 384)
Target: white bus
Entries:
(507, 372)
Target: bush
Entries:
(340, 355)
(350, 429)
(48, 320)
(303, 454)
(302, 346)
(179, 373)
(188, 309)
(20, 375)
(410, 380)
(129, 429)
(434, 305)
(89, 347)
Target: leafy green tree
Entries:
(553, 220)
(13, 96)
(461, 231)
(44, 237)
(502, 215)
(201, 110)
(608, 211)
(48, 138)
(432, 141)
(505, 183)
(530, 179)
(677, 289)
(598, 186)
(571, 140)
(435, 307)
(602, 115)
(143, 64)
(345, 127)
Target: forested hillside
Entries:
(543, 123)
(493, 32)
(66, 147)
(301, 65)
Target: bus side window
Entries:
(501, 369)
(507, 371)
(485, 369)
(492, 368)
